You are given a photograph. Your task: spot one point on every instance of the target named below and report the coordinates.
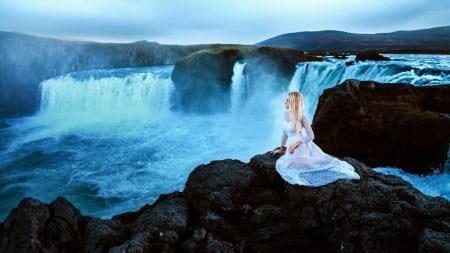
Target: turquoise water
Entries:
(109, 142)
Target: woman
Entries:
(305, 163)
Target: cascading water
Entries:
(239, 87)
(108, 141)
(114, 94)
(311, 78)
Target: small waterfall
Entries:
(239, 86)
(312, 78)
(116, 94)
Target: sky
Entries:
(187, 22)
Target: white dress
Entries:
(309, 165)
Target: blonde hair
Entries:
(296, 106)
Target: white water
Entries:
(109, 142)
(313, 77)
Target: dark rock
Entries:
(158, 228)
(231, 206)
(386, 124)
(23, 227)
(432, 241)
(202, 80)
(102, 235)
(199, 234)
(36, 227)
(378, 213)
(370, 56)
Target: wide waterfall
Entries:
(108, 94)
(110, 142)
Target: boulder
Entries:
(381, 124)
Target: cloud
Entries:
(198, 21)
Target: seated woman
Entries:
(305, 163)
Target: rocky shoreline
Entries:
(232, 206)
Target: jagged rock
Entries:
(386, 124)
(157, 228)
(37, 227)
(102, 235)
(232, 206)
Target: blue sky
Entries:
(213, 21)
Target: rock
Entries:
(232, 206)
(432, 241)
(378, 213)
(370, 56)
(22, 228)
(386, 124)
(102, 235)
(36, 227)
(203, 79)
(159, 227)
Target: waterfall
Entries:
(311, 78)
(107, 94)
(239, 86)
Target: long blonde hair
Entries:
(296, 106)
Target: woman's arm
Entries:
(309, 132)
(305, 139)
(284, 138)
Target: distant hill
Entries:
(433, 40)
